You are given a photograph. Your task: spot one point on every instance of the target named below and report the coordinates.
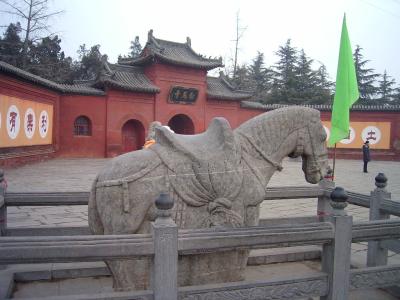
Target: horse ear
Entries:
(163, 136)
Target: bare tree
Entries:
(34, 15)
(239, 34)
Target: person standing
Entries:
(366, 155)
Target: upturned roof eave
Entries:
(150, 58)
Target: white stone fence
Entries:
(333, 229)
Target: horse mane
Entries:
(270, 129)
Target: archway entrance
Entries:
(181, 124)
(132, 136)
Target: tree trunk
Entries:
(26, 41)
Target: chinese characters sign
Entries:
(24, 123)
(377, 133)
(183, 95)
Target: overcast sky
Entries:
(313, 25)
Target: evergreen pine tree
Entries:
(322, 87)
(386, 89)
(47, 60)
(305, 78)
(284, 76)
(89, 66)
(242, 80)
(365, 78)
(135, 47)
(259, 77)
(11, 45)
(322, 78)
(396, 96)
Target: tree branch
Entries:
(48, 15)
(12, 13)
(13, 6)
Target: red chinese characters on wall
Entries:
(29, 124)
(13, 122)
(13, 117)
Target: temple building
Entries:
(168, 82)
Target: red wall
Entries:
(374, 116)
(26, 91)
(223, 108)
(165, 77)
(246, 114)
(122, 107)
(93, 107)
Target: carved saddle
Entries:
(216, 140)
(203, 170)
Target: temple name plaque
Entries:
(183, 95)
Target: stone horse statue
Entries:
(216, 178)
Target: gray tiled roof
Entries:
(321, 107)
(220, 88)
(11, 70)
(127, 78)
(172, 53)
(82, 89)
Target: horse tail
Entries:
(95, 224)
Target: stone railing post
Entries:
(336, 256)
(377, 255)
(324, 207)
(3, 207)
(165, 266)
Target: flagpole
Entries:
(334, 163)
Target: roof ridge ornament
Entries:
(150, 35)
(106, 66)
(188, 41)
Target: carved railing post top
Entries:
(381, 180)
(339, 198)
(164, 202)
(339, 195)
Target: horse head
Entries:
(311, 146)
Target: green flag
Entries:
(346, 90)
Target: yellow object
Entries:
(24, 122)
(148, 143)
(379, 133)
